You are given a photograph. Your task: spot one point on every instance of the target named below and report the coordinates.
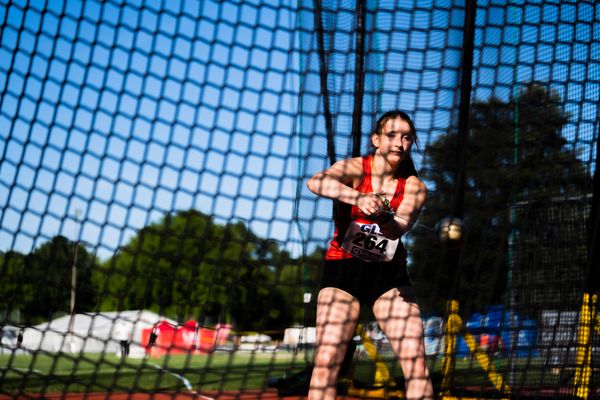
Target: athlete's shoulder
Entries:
(415, 185)
(348, 166)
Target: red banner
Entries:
(165, 338)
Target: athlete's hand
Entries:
(372, 203)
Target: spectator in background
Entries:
(123, 335)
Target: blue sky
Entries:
(115, 113)
(125, 113)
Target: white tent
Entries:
(296, 336)
(92, 332)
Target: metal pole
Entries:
(359, 77)
(74, 279)
(452, 255)
(465, 106)
(323, 74)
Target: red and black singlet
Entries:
(348, 214)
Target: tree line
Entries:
(184, 266)
(526, 209)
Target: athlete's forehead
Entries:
(396, 125)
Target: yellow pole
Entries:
(452, 328)
(382, 374)
(483, 360)
(584, 349)
(383, 386)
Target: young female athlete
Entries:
(380, 198)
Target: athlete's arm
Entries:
(338, 182)
(415, 194)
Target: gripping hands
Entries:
(375, 206)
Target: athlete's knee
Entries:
(329, 356)
(414, 368)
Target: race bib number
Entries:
(365, 241)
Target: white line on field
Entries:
(182, 378)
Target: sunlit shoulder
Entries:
(347, 170)
(416, 187)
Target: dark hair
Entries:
(407, 168)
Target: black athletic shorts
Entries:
(366, 281)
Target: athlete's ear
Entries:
(375, 139)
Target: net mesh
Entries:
(156, 233)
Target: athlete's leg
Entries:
(337, 314)
(399, 317)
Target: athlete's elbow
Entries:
(401, 230)
(315, 183)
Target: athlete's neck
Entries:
(382, 175)
(381, 168)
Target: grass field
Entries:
(96, 372)
(223, 371)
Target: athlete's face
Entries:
(395, 140)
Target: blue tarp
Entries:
(496, 329)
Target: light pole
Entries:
(74, 280)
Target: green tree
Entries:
(300, 276)
(188, 266)
(13, 294)
(516, 157)
(39, 284)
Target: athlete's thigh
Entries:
(398, 314)
(337, 313)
